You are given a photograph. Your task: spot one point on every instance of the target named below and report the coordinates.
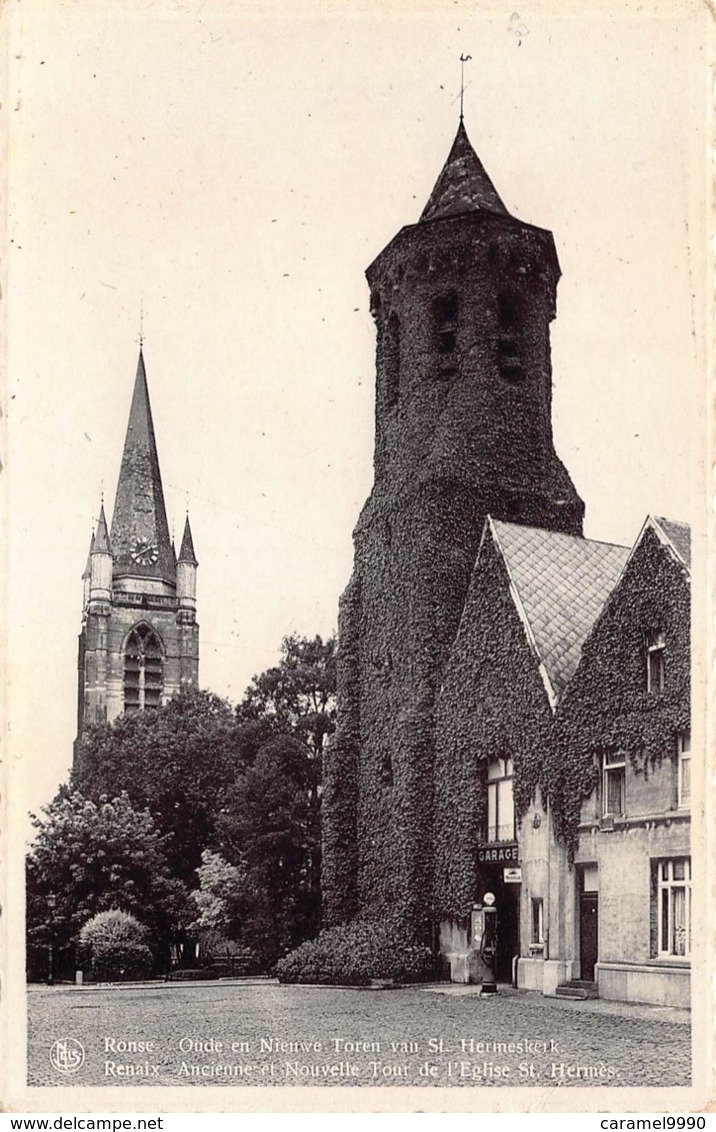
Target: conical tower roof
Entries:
(101, 542)
(140, 532)
(186, 554)
(463, 185)
(88, 567)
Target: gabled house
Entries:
(619, 779)
(533, 598)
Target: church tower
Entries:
(462, 303)
(139, 642)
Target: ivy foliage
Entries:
(606, 706)
(357, 953)
(493, 705)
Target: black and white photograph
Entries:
(355, 439)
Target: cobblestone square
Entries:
(259, 1033)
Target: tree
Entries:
(176, 761)
(91, 857)
(270, 825)
(298, 696)
(218, 897)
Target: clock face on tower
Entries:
(144, 552)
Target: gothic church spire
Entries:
(140, 533)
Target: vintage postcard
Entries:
(357, 425)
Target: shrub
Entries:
(114, 945)
(114, 962)
(356, 954)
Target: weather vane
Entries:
(141, 322)
(463, 60)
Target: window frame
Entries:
(655, 644)
(537, 922)
(667, 887)
(505, 766)
(613, 765)
(683, 759)
(144, 654)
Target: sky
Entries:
(230, 171)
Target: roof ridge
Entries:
(676, 522)
(560, 586)
(562, 534)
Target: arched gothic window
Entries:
(143, 669)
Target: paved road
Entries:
(265, 1034)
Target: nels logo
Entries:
(67, 1055)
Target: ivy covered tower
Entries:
(139, 642)
(462, 303)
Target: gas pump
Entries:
(489, 942)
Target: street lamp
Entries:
(51, 904)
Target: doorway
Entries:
(588, 935)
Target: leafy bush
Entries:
(356, 954)
(114, 963)
(114, 945)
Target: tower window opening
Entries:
(143, 670)
(510, 317)
(510, 310)
(391, 356)
(386, 770)
(514, 508)
(445, 321)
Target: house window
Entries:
(674, 889)
(445, 318)
(655, 650)
(683, 744)
(500, 804)
(537, 921)
(143, 670)
(613, 784)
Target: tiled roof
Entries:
(679, 535)
(562, 582)
(463, 185)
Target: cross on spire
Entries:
(463, 60)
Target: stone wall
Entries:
(101, 655)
